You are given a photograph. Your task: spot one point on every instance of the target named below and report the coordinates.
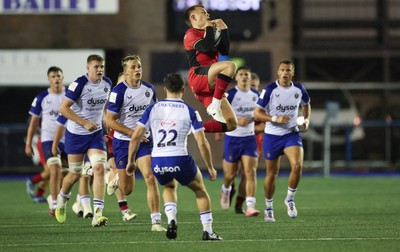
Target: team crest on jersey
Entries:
(254, 98)
(105, 90)
(147, 94)
(296, 95)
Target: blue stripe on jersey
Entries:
(61, 120)
(266, 95)
(305, 97)
(36, 107)
(76, 94)
(230, 94)
(117, 105)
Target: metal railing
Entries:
(383, 145)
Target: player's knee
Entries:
(98, 159)
(297, 167)
(230, 175)
(54, 161)
(250, 173)
(150, 180)
(75, 167)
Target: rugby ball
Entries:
(217, 35)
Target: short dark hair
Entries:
(246, 68)
(94, 57)
(189, 11)
(174, 82)
(287, 62)
(54, 69)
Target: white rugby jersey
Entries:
(243, 104)
(170, 121)
(46, 106)
(89, 102)
(130, 103)
(278, 100)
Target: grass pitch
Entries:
(334, 214)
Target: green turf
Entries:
(335, 214)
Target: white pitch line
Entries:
(89, 221)
(177, 241)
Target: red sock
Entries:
(123, 205)
(37, 178)
(221, 84)
(40, 192)
(214, 126)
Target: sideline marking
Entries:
(169, 242)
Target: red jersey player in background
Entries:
(209, 78)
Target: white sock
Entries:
(226, 190)
(155, 217)
(290, 194)
(206, 220)
(85, 203)
(269, 203)
(170, 211)
(250, 202)
(62, 199)
(98, 205)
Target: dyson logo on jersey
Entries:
(139, 108)
(53, 113)
(95, 102)
(287, 107)
(162, 170)
(245, 109)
